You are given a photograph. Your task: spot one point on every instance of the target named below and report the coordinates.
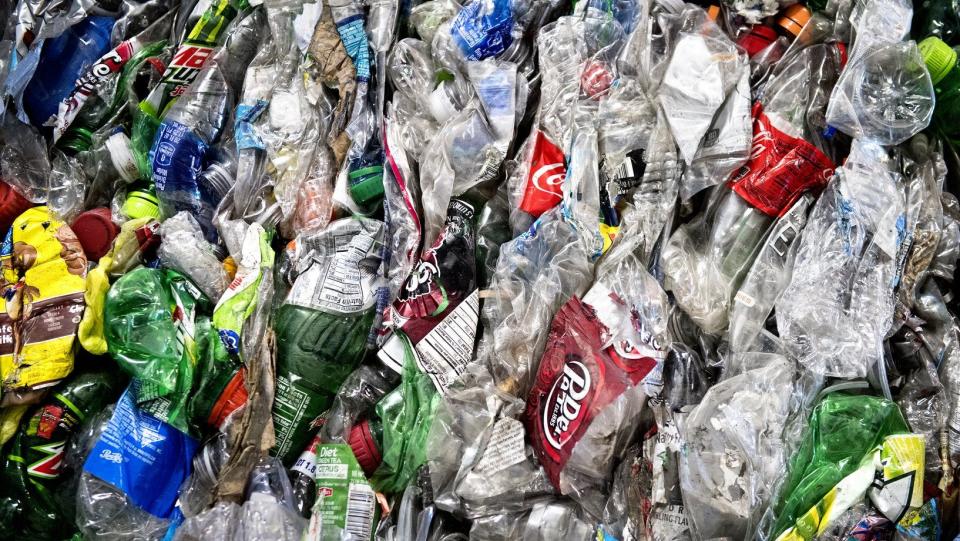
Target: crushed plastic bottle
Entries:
(367, 270)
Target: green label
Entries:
(289, 407)
(346, 505)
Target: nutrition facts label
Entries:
(444, 352)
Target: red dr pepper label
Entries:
(547, 171)
(577, 379)
(781, 168)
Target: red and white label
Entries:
(781, 168)
(544, 182)
(578, 378)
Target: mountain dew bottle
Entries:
(30, 503)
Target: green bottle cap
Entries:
(140, 204)
(366, 185)
(939, 57)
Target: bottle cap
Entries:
(233, 396)
(118, 146)
(141, 204)
(939, 57)
(758, 39)
(364, 447)
(793, 19)
(12, 204)
(713, 12)
(95, 230)
(441, 104)
(366, 184)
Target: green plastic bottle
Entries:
(30, 503)
(941, 61)
(323, 326)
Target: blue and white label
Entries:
(142, 456)
(482, 28)
(178, 158)
(354, 40)
(244, 131)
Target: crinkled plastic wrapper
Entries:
(733, 448)
(838, 307)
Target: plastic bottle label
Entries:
(142, 456)
(545, 179)
(781, 168)
(346, 504)
(289, 407)
(482, 29)
(577, 379)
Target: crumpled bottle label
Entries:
(781, 168)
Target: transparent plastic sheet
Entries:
(262, 74)
(269, 512)
(65, 196)
(726, 144)
(23, 159)
(767, 278)
(401, 211)
(884, 95)
(704, 260)
(561, 46)
(463, 480)
(198, 491)
(942, 338)
(358, 394)
(921, 397)
(536, 273)
(796, 95)
(221, 523)
(463, 154)
(655, 491)
(704, 67)
(410, 69)
(925, 219)
(427, 17)
(838, 307)
(186, 250)
(733, 447)
(622, 514)
(292, 126)
(544, 522)
(878, 22)
(626, 120)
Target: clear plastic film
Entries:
(184, 249)
(733, 447)
(838, 307)
(767, 278)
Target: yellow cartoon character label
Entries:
(44, 276)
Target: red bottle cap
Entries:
(12, 204)
(364, 447)
(95, 230)
(233, 396)
(758, 39)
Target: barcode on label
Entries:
(360, 506)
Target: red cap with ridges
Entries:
(95, 230)
(12, 204)
(364, 447)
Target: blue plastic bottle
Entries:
(63, 60)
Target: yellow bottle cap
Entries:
(141, 204)
(939, 57)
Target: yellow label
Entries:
(44, 277)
